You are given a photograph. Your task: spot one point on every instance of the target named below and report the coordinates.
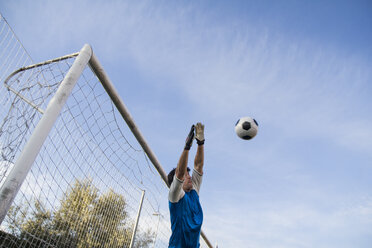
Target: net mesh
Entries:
(86, 184)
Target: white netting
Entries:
(12, 57)
(85, 186)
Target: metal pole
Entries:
(97, 68)
(123, 110)
(137, 219)
(157, 228)
(206, 239)
(28, 155)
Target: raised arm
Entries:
(182, 163)
(199, 157)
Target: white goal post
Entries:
(23, 165)
(18, 172)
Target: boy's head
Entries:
(171, 175)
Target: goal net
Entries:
(91, 184)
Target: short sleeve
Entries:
(175, 190)
(196, 180)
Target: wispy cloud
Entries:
(309, 99)
(292, 225)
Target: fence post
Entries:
(137, 219)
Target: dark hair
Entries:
(171, 175)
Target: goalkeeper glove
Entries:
(199, 133)
(189, 138)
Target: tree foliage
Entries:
(84, 219)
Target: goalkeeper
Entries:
(185, 210)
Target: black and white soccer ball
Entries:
(246, 128)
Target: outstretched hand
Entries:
(199, 133)
(190, 138)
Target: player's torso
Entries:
(186, 220)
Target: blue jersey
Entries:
(186, 221)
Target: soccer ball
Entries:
(246, 128)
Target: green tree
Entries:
(38, 226)
(84, 219)
(71, 221)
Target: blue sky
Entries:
(301, 69)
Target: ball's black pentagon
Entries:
(247, 137)
(237, 122)
(255, 122)
(246, 125)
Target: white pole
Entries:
(157, 228)
(137, 219)
(23, 164)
